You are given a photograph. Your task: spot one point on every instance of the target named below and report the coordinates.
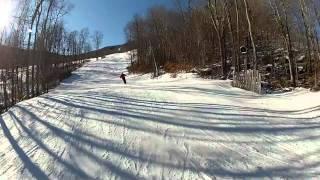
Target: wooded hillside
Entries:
(280, 38)
(37, 51)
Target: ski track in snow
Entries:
(94, 127)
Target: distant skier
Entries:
(123, 77)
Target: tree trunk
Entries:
(5, 94)
(238, 36)
(304, 13)
(292, 62)
(12, 86)
(251, 35)
(233, 42)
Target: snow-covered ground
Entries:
(94, 127)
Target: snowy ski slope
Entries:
(94, 127)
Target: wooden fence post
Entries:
(250, 80)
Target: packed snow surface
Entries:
(94, 127)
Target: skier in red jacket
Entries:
(123, 77)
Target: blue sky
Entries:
(108, 16)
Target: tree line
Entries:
(210, 33)
(39, 25)
(37, 49)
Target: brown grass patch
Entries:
(176, 67)
(140, 68)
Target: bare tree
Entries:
(97, 39)
(251, 34)
(308, 33)
(83, 39)
(218, 15)
(282, 17)
(237, 39)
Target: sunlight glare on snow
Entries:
(6, 7)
